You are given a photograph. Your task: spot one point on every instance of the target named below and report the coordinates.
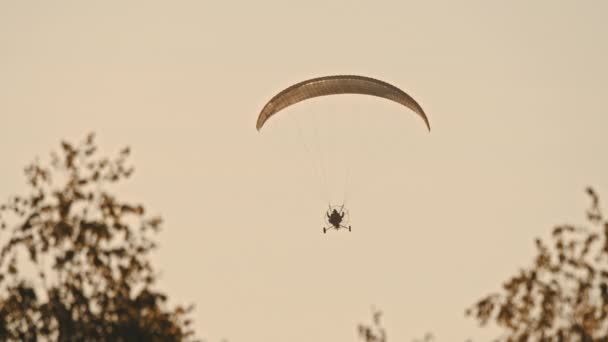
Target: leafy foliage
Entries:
(563, 296)
(92, 280)
(374, 332)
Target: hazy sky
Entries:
(514, 92)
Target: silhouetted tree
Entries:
(428, 337)
(563, 296)
(376, 333)
(91, 280)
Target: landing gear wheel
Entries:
(349, 228)
(324, 230)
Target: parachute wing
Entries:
(339, 84)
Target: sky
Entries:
(514, 92)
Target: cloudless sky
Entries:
(515, 93)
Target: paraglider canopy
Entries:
(338, 84)
(338, 157)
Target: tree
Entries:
(563, 296)
(372, 333)
(93, 279)
(376, 333)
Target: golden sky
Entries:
(514, 92)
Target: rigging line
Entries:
(366, 140)
(316, 130)
(337, 147)
(314, 161)
(348, 153)
(327, 123)
(346, 192)
(354, 153)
